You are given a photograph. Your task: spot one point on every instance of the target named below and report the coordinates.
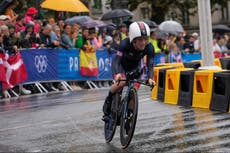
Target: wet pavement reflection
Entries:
(71, 122)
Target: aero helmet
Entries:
(138, 29)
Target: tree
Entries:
(162, 7)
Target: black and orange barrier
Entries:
(202, 90)
(225, 63)
(161, 83)
(186, 88)
(193, 64)
(221, 91)
(156, 79)
(172, 83)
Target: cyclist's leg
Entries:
(113, 89)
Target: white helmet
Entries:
(138, 29)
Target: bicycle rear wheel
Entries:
(111, 123)
(129, 118)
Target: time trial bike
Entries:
(124, 111)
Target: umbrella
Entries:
(150, 23)
(78, 19)
(65, 5)
(94, 23)
(220, 28)
(4, 4)
(171, 27)
(117, 13)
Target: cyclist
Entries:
(128, 58)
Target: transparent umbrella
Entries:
(94, 23)
(171, 27)
(78, 19)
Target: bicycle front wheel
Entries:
(128, 118)
(110, 125)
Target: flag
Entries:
(15, 70)
(88, 63)
(2, 68)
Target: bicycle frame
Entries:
(126, 96)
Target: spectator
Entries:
(9, 45)
(30, 14)
(108, 44)
(123, 31)
(46, 38)
(28, 38)
(4, 19)
(222, 43)
(175, 54)
(162, 44)
(10, 11)
(180, 43)
(170, 38)
(65, 37)
(189, 46)
(37, 24)
(116, 41)
(111, 30)
(51, 21)
(85, 35)
(76, 36)
(95, 41)
(216, 47)
(20, 23)
(153, 40)
(13, 36)
(1, 43)
(226, 37)
(196, 42)
(61, 24)
(55, 35)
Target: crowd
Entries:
(19, 31)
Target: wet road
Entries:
(71, 122)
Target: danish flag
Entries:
(13, 70)
(2, 69)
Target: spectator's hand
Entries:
(74, 35)
(56, 43)
(42, 45)
(37, 35)
(152, 82)
(187, 50)
(108, 46)
(27, 36)
(17, 35)
(15, 48)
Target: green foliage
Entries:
(162, 7)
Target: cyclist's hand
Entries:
(152, 83)
(118, 76)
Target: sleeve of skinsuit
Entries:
(116, 62)
(150, 60)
